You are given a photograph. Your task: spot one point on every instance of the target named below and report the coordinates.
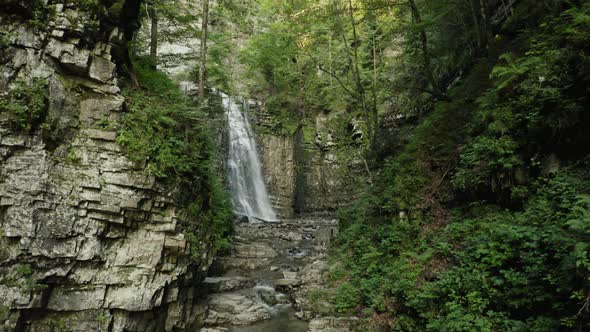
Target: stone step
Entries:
(227, 284)
(253, 250)
(234, 309)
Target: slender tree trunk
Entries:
(374, 106)
(474, 17)
(357, 74)
(203, 66)
(486, 25)
(132, 74)
(330, 56)
(154, 37)
(425, 51)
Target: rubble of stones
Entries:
(271, 266)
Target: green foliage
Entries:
(347, 297)
(487, 159)
(25, 105)
(461, 232)
(173, 138)
(24, 270)
(87, 4)
(536, 95)
(72, 157)
(4, 313)
(161, 129)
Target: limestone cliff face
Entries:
(304, 178)
(88, 241)
(278, 158)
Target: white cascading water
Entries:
(249, 194)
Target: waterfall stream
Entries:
(249, 195)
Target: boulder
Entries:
(226, 284)
(234, 309)
(101, 70)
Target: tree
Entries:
(436, 90)
(203, 60)
(153, 35)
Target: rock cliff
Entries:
(305, 178)
(88, 241)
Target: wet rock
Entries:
(287, 282)
(254, 250)
(214, 329)
(292, 236)
(296, 253)
(234, 309)
(226, 284)
(312, 273)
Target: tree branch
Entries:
(315, 61)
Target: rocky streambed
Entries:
(262, 284)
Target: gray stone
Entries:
(101, 134)
(227, 284)
(134, 298)
(101, 69)
(254, 250)
(287, 282)
(332, 324)
(76, 298)
(234, 309)
(93, 110)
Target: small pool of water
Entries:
(283, 321)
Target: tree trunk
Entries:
(132, 73)
(154, 37)
(203, 66)
(474, 17)
(357, 74)
(486, 26)
(425, 52)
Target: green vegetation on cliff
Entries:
(173, 138)
(25, 106)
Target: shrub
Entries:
(25, 105)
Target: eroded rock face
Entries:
(328, 176)
(88, 241)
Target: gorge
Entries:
(305, 165)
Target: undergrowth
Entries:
(467, 227)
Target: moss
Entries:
(41, 14)
(116, 8)
(58, 324)
(4, 311)
(73, 157)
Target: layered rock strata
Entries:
(88, 241)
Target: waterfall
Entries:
(248, 192)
